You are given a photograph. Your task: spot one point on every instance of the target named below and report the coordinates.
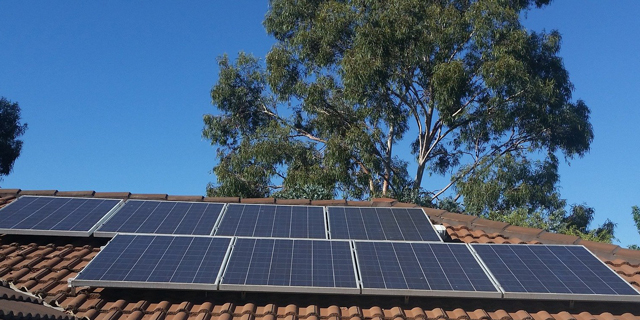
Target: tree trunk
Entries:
(419, 174)
(387, 163)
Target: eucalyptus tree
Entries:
(10, 130)
(363, 98)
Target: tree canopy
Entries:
(635, 214)
(10, 130)
(365, 98)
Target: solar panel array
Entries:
(386, 251)
(163, 217)
(422, 268)
(290, 265)
(410, 224)
(553, 272)
(54, 215)
(273, 221)
(146, 261)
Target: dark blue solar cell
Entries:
(272, 221)
(553, 270)
(290, 263)
(420, 266)
(163, 217)
(302, 264)
(54, 215)
(146, 259)
(401, 224)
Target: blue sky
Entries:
(114, 93)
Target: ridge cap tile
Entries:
(294, 202)
(383, 199)
(258, 200)
(459, 217)
(113, 195)
(222, 199)
(627, 254)
(433, 213)
(10, 191)
(598, 246)
(524, 233)
(359, 203)
(85, 194)
(185, 198)
(557, 238)
(334, 202)
(38, 192)
(483, 224)
(148, 196)
(404, 205)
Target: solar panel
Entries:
(55, 215)
(290, 265)
(553, 272)
(148, 261)
(162, 217)
(273, 221)
(402, 224)
(422, 269)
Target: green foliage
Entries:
(506, 184)
(635, 214)
(574, 222)
(577, 222)
(350, 86)
(10, 131)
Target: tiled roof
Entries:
(41, 266)
(18, 305)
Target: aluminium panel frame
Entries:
(559, 296)
(430, 293)
(75, 282)
(110, 234)
(385, 240)
(227, 205)
(63, 233)
(290, 289)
